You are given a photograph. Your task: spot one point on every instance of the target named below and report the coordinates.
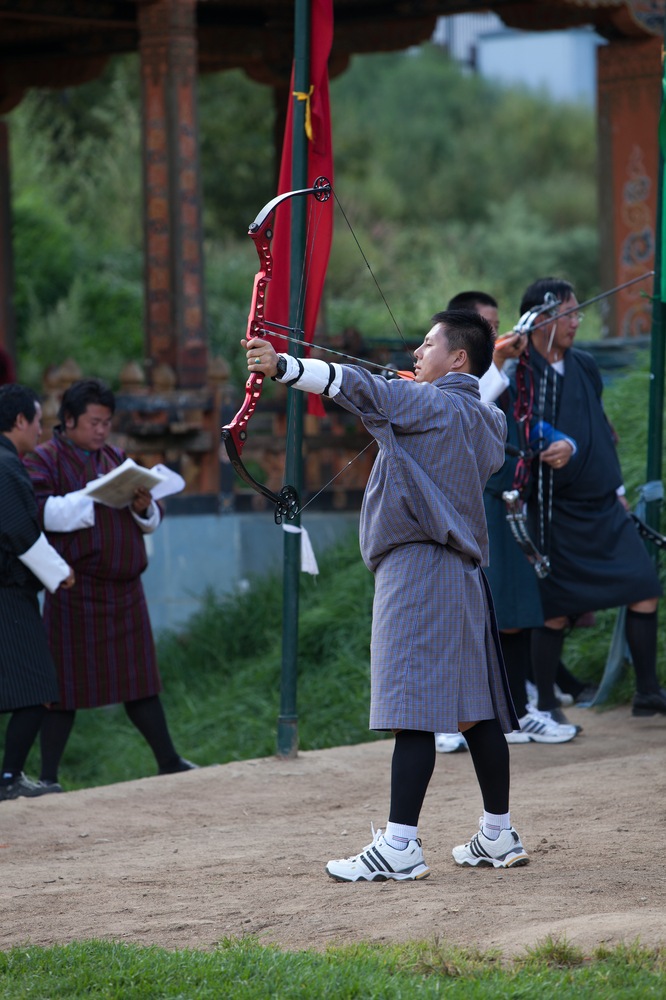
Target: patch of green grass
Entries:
(245, 969)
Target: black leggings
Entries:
(21, 733)
(414, 761)
(147, 715)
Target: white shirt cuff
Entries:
(492, 384)
(47, 565)
(70, 512)
(148, 524)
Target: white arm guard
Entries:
(70, 512)
(47, 565)
(312, 375)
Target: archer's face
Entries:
(556, 337)
(434, 358)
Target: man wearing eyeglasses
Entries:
(578, 509)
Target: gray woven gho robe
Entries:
(434, 659)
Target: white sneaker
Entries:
(532, 693)
(450, 742)
(565, 700)
(505, 852)
(517, 736)
(379, 862)
(540, 727)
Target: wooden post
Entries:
(7, 325)
(174, 288)
(629, 82)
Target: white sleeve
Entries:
(47, 565)
(492, 384)
(69, 512)
(312, 375)
(148, 524)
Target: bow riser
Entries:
(237, 429)
(234, 434)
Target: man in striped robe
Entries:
(99, 633)
(27, 563)
(435, 660)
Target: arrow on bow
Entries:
(234, 434)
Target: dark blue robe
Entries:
(597, 557)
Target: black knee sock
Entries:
(490, 756)
(411, 770)
(641, 634)
(21, 733)
(516, 653)
(148, 716)
(546, 651)
(56, 727)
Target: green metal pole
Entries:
(657, 344)
(287, 735)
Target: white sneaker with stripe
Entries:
(505, 852)
(540, 727)
(379, 862)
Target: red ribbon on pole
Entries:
(320, 163)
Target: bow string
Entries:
(234, 434)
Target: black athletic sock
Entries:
(641, 635)
(148, 716)
(20, 734)
(490, 756)
(546, 651)
(411, 770)
(56, 727)
(516, 653)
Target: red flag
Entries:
(320, 163)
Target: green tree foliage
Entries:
(447, 180)
(454, 182)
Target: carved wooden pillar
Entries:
(7, 330)
(174, 289)
(629, 86)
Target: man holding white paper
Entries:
(27, 563)
(100, 633)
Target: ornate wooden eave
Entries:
(613, 19)
(59, 43)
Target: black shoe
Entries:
(22, 787)
(649, 704)
(178, 764)
(49, 786)
(587, 695)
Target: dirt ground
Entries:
(186, 860)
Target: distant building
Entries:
(561, 64)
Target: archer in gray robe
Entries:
(423, 533)
(436, 663)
